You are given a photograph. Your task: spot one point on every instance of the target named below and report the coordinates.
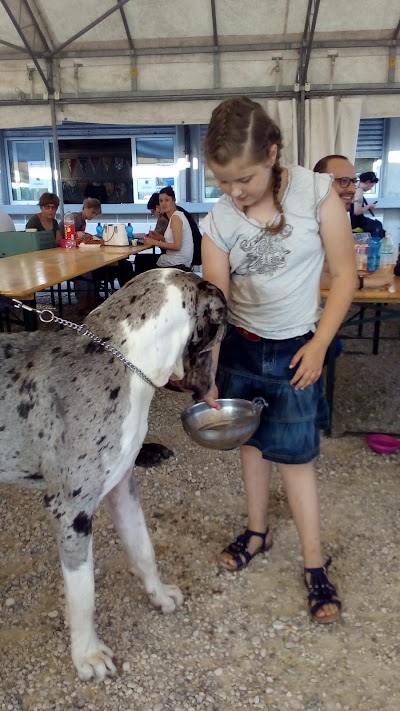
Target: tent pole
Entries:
(56, 155)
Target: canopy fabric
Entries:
(144, 62)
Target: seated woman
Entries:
(45, 219)
(177, 240)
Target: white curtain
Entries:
(331, 126)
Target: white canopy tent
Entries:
(316, 65)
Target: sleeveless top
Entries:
(185, 254)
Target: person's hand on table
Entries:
(310, 360)
(382, 279)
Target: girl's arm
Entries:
(337, 239)
(216, 269)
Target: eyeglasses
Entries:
(345, 182)
(49, 207)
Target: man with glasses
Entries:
(345, 182)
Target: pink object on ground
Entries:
(383, 444)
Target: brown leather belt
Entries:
(248, 334)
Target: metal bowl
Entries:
(227, 428)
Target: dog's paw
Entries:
(168, 598)
(152, 454)
(96, 663)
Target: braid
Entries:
(277, 181)
(228, 130)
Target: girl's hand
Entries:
(211, 398)
(310, 361)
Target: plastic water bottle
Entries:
(373, 260)
(69, 230)
(387, 251)
(99, 230)
(129, 232)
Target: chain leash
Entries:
(47, 316)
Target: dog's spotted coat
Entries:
(73, 419)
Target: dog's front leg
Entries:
(90, 656)
(130, 523)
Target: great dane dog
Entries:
(73, 417)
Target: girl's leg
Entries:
(256, 473)
(302, 492)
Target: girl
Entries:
(264, 245)
(177, 239)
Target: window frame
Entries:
(172, 136)
(48, 158)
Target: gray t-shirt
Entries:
(274, 285)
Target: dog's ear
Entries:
(208, 330)
(211, 311)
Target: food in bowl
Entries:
(227, 428)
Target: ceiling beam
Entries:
(392, 56)
(208, 49)
(217, 66)
(29, 49)
(13, 46)
(88, 27)
(36, 25)
(307, 41)
(214, 95)
(127, 30)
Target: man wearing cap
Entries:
(360, 205)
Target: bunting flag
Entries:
(89, 167)
(106, 163)
(83, 162)
(95, 163)
(70, 164)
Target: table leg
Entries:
(377, 330)
(30, 317)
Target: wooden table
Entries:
(23, 275)
(381, 301)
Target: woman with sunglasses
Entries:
(45, 219)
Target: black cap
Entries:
(153, 202)
(369, 176)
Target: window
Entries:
(370, 149)
(155, 166)
(30, 170)
(98, 168)
(211, 190)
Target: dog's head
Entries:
(208, 331)
(207, 309)
(169, 322)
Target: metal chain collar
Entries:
(47, 316)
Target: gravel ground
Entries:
(240, 641)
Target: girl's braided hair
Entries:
(239, 125)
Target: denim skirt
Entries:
(289, 430)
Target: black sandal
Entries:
(240, 554)
(321, 593)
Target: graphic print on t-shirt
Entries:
(266, 252)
